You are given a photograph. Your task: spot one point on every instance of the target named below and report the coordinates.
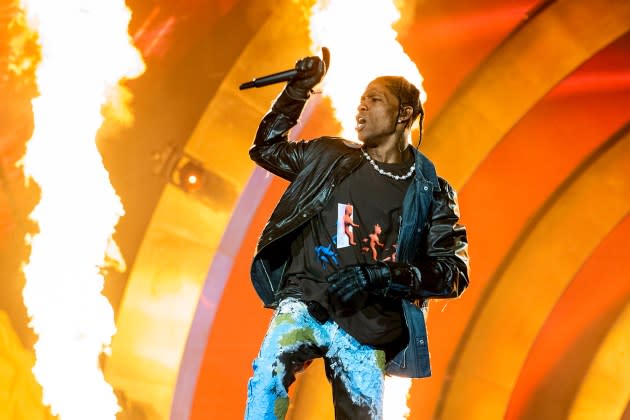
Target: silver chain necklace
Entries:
(389, 174)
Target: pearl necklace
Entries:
(389, 174)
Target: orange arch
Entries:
(591, 294)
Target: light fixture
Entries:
(190, 175)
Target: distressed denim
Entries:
(294, 338)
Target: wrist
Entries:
(379, 275)
(288, 105)
(297, 93)
(404, 281)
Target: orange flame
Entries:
(363, 46)
(85, 51)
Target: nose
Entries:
(362, 106)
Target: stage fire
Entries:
(85, 52)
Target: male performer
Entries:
(360, 305)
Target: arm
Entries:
(440, 272)
(272, 149)
(444, 265)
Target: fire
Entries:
(395, 400)
(363, 45)
(85, 51)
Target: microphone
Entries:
(282, 76)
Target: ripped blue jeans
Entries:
(294, 338)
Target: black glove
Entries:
(311, 72)
(382, 279)
(350, 280)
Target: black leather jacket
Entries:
(430, 237)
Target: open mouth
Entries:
(360, 123)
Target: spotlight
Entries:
(192, 176)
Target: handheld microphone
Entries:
(283, 76)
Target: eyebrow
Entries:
(372, 92)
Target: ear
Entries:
(406, 112)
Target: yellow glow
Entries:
(363, 45)
(85, 50)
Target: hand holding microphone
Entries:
(311, 70)
(308, 72)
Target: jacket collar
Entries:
(425, 169)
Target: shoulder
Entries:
(426, 169)
(338, 142)
(447, 196)
(335, 144)
(445, 185)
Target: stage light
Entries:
(192, 176)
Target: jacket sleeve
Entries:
(272, 149)
(444, 265)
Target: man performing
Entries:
(362, 312)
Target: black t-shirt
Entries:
(359, 225)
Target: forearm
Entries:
(431, 279)
(442, 278)
(282, 116)
(271, 148)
